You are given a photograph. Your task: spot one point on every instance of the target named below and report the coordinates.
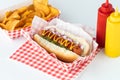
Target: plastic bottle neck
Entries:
(106, 8)
(115, 16)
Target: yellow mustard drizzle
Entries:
(55, 38)
(72, 46)
(52, 35)
(49, 34)
(66, 43)
(44, 32)
(61, 40)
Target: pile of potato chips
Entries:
(45, 10)
(22, 17)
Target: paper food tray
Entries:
(38, 23)
(35, 56)
(16, 33)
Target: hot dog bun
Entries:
(62, 53)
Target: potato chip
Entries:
(31, 7)
(18, 28)
(21, 23)
(12, 24)
(3, 26)
(40, 7)
(5, 20)
(14, 15)
(31, 15)
(23, 26)
(26, 13)
(22, 9)
(26, 25)
(8, 13)
(29, 20)
(44, 2)
(40, 14)
(54, 13)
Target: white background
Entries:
(74, 11)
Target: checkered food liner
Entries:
(16, 33)
(39, 23)
(35, 56)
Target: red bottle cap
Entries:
(106, 8)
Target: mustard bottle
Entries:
(112, 39)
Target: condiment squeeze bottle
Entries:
(103, 12)
(112, 45)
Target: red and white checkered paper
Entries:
(36, 57)
(16, 33)
(30, 53)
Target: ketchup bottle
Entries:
(112, 41)
(103, 12)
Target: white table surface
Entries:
(74, 11)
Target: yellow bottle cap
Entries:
(115, 16)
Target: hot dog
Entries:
(66, 46)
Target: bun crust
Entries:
(62, 53)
